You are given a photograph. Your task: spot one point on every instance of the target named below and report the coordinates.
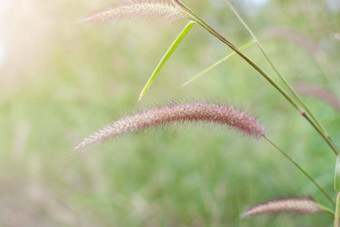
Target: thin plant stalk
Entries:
(217, 63)
(327, 139)
(234, 48)
(301, 170)
(260, 70)
(326, 209)
(337, 211)
(337, 189)
(282, 78)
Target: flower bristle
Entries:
(154, 8)
(195, 112)
(297, 205)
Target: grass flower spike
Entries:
(177, 113)
(298, 205)
(319, 92)
(168, 10)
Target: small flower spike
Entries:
(196, 112)
(156, 8)
(297, 205)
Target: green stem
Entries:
(336, 216)
(282, 78)
(234, 48)
(254, 65)
(217, 63)
(326, 209)
(301, 169)
(327, 140)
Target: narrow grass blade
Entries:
(217, 63)
(337, 175)
(166, 57)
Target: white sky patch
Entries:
(257, 2)
(252, 7)
(333, 5)
(4, 5)
(2, 53)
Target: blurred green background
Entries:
(61, 80)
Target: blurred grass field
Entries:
(61, 80)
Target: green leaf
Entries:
(217, 63)
(337, 175)
(166, 57)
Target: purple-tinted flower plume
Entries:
(178, 113)
(298, 205)
(319, 92)
(140, 8)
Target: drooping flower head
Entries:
(156, 8)
(196, 112)
(298, 205)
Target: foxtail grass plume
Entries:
(196, 112)
(156, 8)
(319, 92)
(295, 36)
(298, 205)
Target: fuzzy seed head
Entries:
(156, 8)
(319, 92)
(196, 112)
(298, 205)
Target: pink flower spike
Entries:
(196, 112)
(156, 8)
(297, 205)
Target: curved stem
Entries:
(326, 209)
(327, 140)
(194, 17)
(238, 51)
(282, 78)
(301, 170)
(336, 216)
